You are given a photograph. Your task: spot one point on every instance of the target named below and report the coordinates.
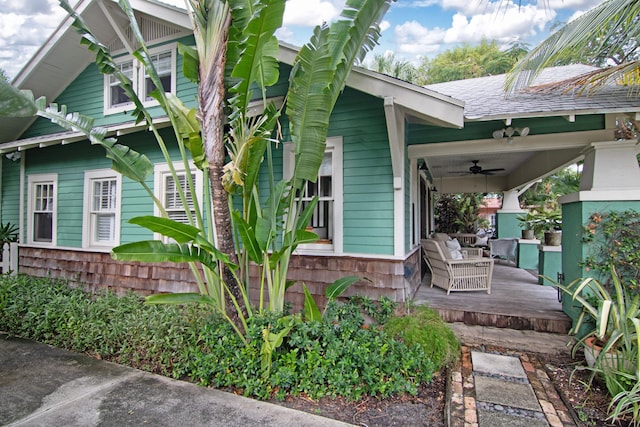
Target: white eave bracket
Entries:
(395, 131)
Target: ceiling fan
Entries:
(477, 170)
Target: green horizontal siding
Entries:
(10, 191)
(85, 95)
(367, 175)
(71, 161)
(358, 118)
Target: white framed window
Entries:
(327, 218)
(115, 96)
(166, 190)
(164, 60)
(102, 197)
(42, 209)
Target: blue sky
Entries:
(412, 29)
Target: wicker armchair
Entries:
(468, 274)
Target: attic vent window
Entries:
(164, 60)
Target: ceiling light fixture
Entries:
(509, 133)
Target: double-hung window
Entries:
(166, 189)
(41, 208)
(326, 221)
(116, 98)
(101, 208)
(164, 61)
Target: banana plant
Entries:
(263, 232)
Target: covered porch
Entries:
(516, 301)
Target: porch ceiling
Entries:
(525, 160)
(560, 128)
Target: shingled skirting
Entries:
(395, 279)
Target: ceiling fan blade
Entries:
(492, 170)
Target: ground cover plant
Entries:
(339, 356)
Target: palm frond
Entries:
(126, 161)
(309, 104)
(319, 75)
(601, 23)
(106, 64)
(15, 103)
(258, 63)
(353, 35)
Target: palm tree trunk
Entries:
(211, 98)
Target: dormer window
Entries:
(164, 60)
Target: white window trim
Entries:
(138, 81)
(334, 145)
(32, 180)
(160, 170)
(87, 231)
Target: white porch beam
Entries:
(558, 141)
(471, 184)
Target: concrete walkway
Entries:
(504, 390)
(44, 386)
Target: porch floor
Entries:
(516, 301)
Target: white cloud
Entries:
(500, 22)
(573, 4)
(413, 38)
(510, 24)
(309, 13)
(25, 25)
(472, 7)
(384, 25)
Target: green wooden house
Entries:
(391, 146)
(72, 208)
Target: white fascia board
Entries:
(416, 101)
(168, 13)
(425, 104)
(48, 45)
(64, 138)
(560, 113)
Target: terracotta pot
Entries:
(553, 238)
(611, 360)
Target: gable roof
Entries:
(62, 58)
(486, 99)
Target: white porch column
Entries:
(611, 166)
(510, 202)
(395, 131)
(506, 217)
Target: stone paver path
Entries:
(504, 390)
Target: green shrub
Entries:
(613, 241)
(339, 356)
(425, 328)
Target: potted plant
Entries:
(611, 341)
(527, 223)
(551, 223)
